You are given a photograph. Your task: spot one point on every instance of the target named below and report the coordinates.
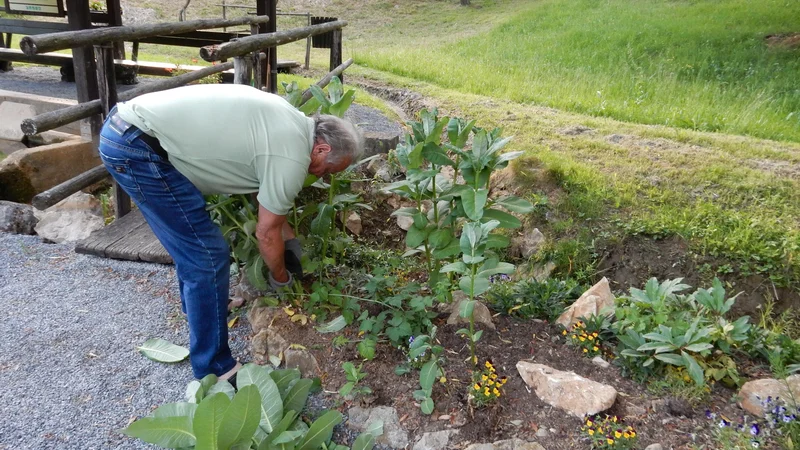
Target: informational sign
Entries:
(36, 7)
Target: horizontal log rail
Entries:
(55, 194)
(255, 42)
(63, 116)
(49, 42)
(326, 79)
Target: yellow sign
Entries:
(36, 7)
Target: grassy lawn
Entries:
(702, 65)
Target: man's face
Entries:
(320, 165)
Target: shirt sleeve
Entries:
(281, 179)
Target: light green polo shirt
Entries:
(230, 139)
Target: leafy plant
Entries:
(609, 433)
(486, 387)
(353, 386)
(425, 355)
(590, 335)
(658, 326)
(475, 268)
(263, 414)
(532, 299)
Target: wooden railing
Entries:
(246, 53)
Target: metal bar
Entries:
(43, 43)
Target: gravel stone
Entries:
(71, 374)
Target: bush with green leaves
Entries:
(263, 414)
(426, 355)
(659, 326)
(528, 299)
(353, 386)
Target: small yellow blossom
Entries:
(610, 441)
(588, 423)
(591, 432)
(564, 332)
(484, 377)
(477, 387)
(496, 392)
(585, 351)
(617, 434)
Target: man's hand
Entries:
(270, 244)
(277, 285)
(292, 257)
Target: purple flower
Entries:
(710, 415)
(724, 423)
(787, 419)
(410, 339)
(754, 430)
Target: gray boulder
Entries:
(17, 218)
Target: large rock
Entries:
(481, 314)
(394, 435)
(528, 244)
(11, 116)
(376, 142)
(25, 173)
(566, 390)
(71, 219)
(17, 218)
(598, 299)
(754, 393)
(261, 317)
(267, 345)
(353, 223)
(247, 291)
(507, 444)
(436, 440)
(302, 360)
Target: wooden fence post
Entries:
(336, 51)
(85, 67)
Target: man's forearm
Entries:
(270, 245)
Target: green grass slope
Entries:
(701, 64)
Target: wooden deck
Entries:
(127, 238)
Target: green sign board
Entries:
(36, 7)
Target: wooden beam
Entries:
(336, 50)
(57, 193)
(259, 42)
(63, 116)
(43, 43)
(84, 64)
(337, 72)
(49, 59)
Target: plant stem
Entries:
(472, 317)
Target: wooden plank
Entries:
(129, 245)
(100, 240)
(155, 253)
(55, 194)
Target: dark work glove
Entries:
(277, 285)
(291, 257)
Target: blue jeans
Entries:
(176, 211)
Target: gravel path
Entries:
(72, 377)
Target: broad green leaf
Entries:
(440, 238)
(319, 94)
(160, 350)
(474, 202)
(239, 423)
(405, 211)
(497, 241)
(283, 378)
(515, 204)
(429, 374)
(480, 285)
(310, 107)
(508, 156)
(436, 155)
(426, 406)
(466, 307)
(320, 431)
(288, 436)
(458, 267)
(255, 273)
(166, 432)
(271, 402)
(321, 225)
(366, 348)
(364, 441)
(420, 221)
(298, 395)
(375, 428)
(452, 249)
(699, 347)
(333, 326)
(506, 220)
(670, 358)
(223, 387)
(282, 426)
(205, 385)
(415, 156)
(502, 267)
(694, 369)
(416, 236)
(346, 388)
(193, 392)
(207, 421)
(340, 107)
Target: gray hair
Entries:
(345, 139)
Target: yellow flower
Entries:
(493, 376)
(610, 441)
(496, 392)
(595, 334)
(614, 419)
(490, 383)
(574, 337)
(477, 387)
(564, 332)
(443, 380)
(488, 365)
(484, 377)
(588, 423)
(585, 351)
(626, 435)
(590, 337)
(591, 432)
(581, 338)
(595, 348)
(617, 434)
(486, 392)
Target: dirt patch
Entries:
(783, 40)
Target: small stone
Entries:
(353, 223)
(434, 441)
(247, 291)
(634, 411)
(541, 272)
(72, 219)
(480, 313)
(542, 433)
(597, 300)
(444, 417)
(405, 222)
(235, 302)
(679, 407)
(654, 447)
(527, 245)
(17, 218)
(302, 360)
(566, 390)
(481, 447)
(260, 317)
(600, 362)
(516, 423)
